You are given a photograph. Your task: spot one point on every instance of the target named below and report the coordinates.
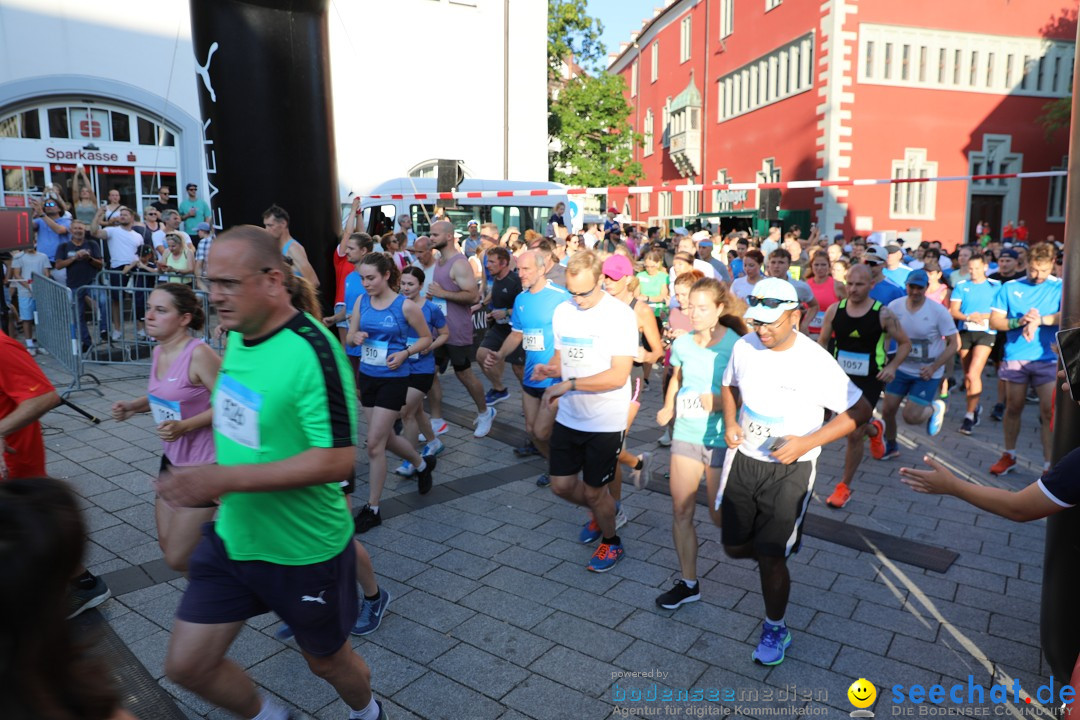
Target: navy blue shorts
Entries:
(319, 601)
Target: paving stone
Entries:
(147, 552)
(681, 670)
(497, 637)
(392, 565)
(150, 651)
(436, 613)
(429, 530)
(401, 543)
(878, 591)
(810, 677)
(514, 535)
(734, 624)
(581, 672)
(907, 623)
(574, 574)
(881, 671)
(162, 609)
(869, 637)
(390, 672)
(582, 635)
(443, 584)
(566, 549)
(252, 647)
(463, 563)
(397, 632)
(544, 699)
(132, 627)
(120, 537)
(504, 606)
(484, 546)
(723, 653)
(440, 698)
(140, 516)
(661, 630)
(86, 484)
(945, 654)
(480, 671)
(98, 519)
(522, 584)
(288, 674)
(525, 560)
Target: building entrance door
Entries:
(985, 208)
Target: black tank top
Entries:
(860, 335)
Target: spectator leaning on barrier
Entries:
(122, 245)
(193, 210)
(206, 240)
(24, 265)
(50, 228)
(81, 259)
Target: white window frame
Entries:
(654, 57)
(644, 202)
(1055, 206)
(686, 38)
(633, 79)
(691, 202)
(966, 62)
(727, 18)
(664, 204)
(913, 201)
(722, 178)
(768, 173)
(648, 133)
(772, 4)
(782, 73)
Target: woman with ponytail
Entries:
(698, 360)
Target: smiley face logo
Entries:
(862, 693)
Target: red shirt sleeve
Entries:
(22, 379)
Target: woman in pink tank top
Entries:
(827, 290)
(182, 377)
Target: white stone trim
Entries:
(996, 156)
(837, 94)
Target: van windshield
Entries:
(460, 216)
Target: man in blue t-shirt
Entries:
(970, 306)
(1028, 311)
(51, 229)
(530, 327)
(895, 269)
(881, 288)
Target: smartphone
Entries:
(1068, 342)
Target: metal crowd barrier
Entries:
(114, 331)
(57, 330)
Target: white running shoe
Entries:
(665, 439)
(433, 448)
(483, 422)
(620, 519)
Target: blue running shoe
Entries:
(892, 450)
(433, 448)
(371, 613)
(937, 418)
(494, 396)
(775, 639)
(543, 481)
(284, 633)
(590, 532)
(605, 558)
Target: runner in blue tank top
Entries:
(421, 370)
(381, 325)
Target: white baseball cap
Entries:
(771, 291)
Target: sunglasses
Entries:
(771, 303)
(587, 293)
(871, 263)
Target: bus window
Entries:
(505, 217)
(379, 220)
(459, 216)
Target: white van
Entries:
(524, 213)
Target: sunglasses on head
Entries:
(771, 303)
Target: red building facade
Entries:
(790, 90)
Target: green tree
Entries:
(589, 120)
(588, 115)
(572, 33)
(1056, 115)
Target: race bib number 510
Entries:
(236, 412)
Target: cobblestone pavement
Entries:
(494, 615)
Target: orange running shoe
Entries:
(1004, 464)
(877, 442)
(840, 496)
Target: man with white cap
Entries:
(882, 288)
(895, 269)
(777, 436)
(703, 241)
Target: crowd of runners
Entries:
(763, 350)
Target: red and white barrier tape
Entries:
(640, 189)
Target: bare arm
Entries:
(826, 326)
(299, 256)
(27, 412)
(55, 226)
(1030, 503)
(95, 226)
(462, 275)
(795, 446)
(647, 324)
(891, 325)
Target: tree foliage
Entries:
(590, 121)
(588, 115)
(1056, 115)
(571, 32)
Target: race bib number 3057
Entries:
(236, 412)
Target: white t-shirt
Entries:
(927, 328)
(785, 393)
(429, 274)
(742, 287)
(587, 340)
(123, 246)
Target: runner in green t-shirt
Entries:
(285, 429)
(698, 359)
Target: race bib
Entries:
(818, 320)
(977, 327)
(577, 352)
(688, 405)
(758, 430)
(854, 363)
(163, 410)
(236, 412)
(373, 352)
(920, 350)
(440, 303)
(532, 340)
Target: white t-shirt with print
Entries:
(785, 392)
(927, 329)
(587, 340)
